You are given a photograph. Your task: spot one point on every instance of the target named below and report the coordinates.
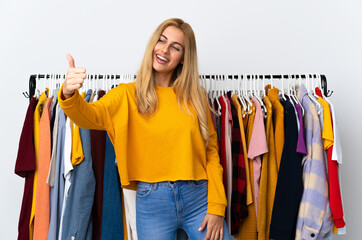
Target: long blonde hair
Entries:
(185, 78)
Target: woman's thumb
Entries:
(70, 60)
(203, 224)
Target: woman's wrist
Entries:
(65, 96)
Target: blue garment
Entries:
(112, 220)
(164, 207)
(57, 191)
(77, 221)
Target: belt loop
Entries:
(155, 186)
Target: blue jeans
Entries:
(163, 207)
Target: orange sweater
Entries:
(167, 146)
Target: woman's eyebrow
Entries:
(173, 42)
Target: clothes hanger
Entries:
(260, 94)
(207, 86)
(215, 95)
(263, 87)
(289, 94)
(247, 95)
(256, 94)
(314, 85)
(51, 86)
(294, 94)
(210, 91)
(87, 83)
(241, 99)
(320, 85)
(37, 91)
(114, 80)
(310, 95)
(224, 85)
(282, 88)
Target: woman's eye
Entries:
(161, 41)
(177, 49)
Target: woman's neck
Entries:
(163, 79)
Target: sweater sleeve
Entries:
(216, 192)
(95, 115)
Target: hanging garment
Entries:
(268, 178)
(68, 167)
(301, 148)
(335, 198)
(98, 140)
(248, 228)
(336, 156)
(278, 121)
(129, 200)
(243, 126)
(77, 221)
(218, 125)
(223, 128)
(128, 130)
(239, 209)
(52, 165)
(77, 148)
(52, 115)
(25, 167)
(57, 191)
(314, 217)
(229, 161)
(42, 204)
(37, 114)
(325, 141)
(289, 188)
(257, 147)
(112, 224)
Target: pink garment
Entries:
(258, 146)
(229, 161)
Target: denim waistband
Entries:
(168, 183)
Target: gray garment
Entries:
(57, 192)
(77, 221)
(51, 173)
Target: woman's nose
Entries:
(165, 49)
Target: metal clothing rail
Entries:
(34, 77)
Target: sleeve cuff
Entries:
(68, 102)
(339, 223)
(216, 209)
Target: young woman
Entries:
(165, 143)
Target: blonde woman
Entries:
(165, 143)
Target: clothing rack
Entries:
(34, 77)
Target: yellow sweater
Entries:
(167, 146)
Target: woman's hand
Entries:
(74, 80)
(215, 225)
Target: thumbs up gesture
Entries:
(75, 78)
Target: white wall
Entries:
(232, 36)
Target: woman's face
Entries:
(169, 50)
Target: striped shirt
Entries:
(314, 217)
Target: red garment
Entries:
(25, 167)
(335, 199)
(98, 144)
(222, 141)
(239, 209)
